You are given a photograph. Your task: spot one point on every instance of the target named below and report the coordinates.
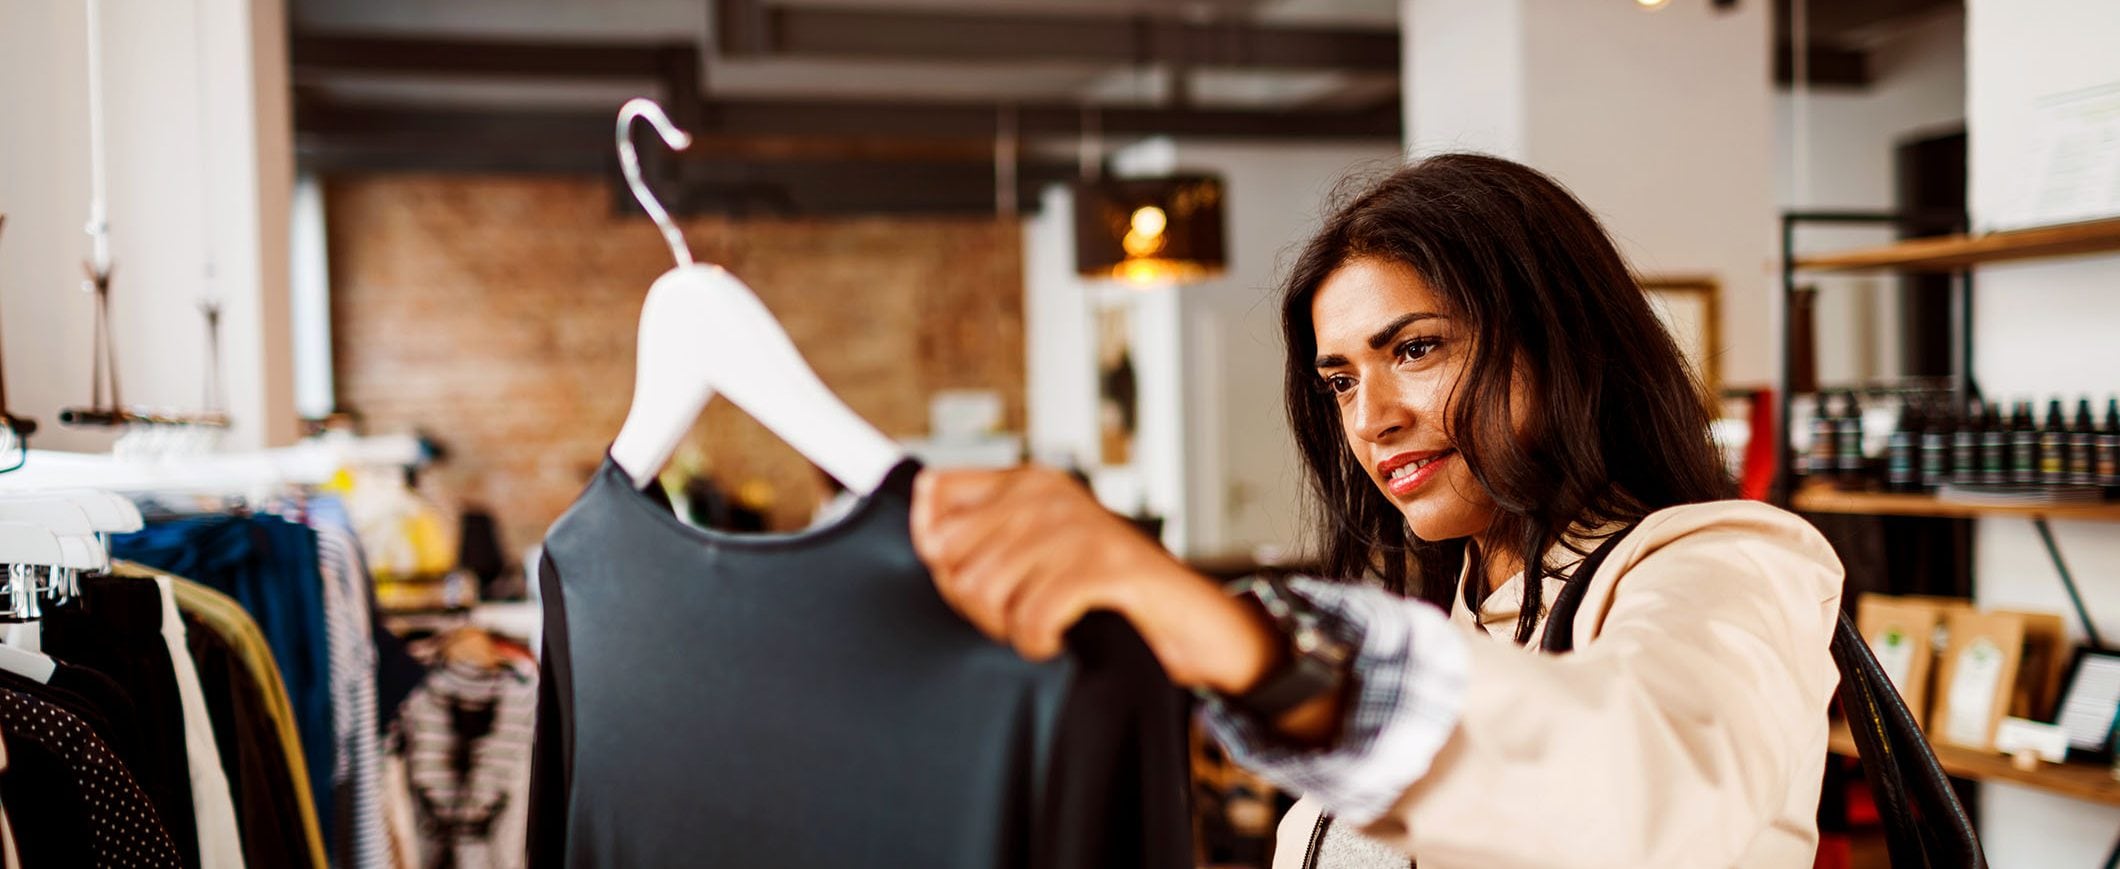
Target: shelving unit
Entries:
(1955, 256)
(2091, 782)
(1825, 499)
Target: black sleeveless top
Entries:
(808, 700)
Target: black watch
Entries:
(1317, 661)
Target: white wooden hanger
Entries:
(28, 545)
(703, 331)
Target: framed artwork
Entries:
(1691, 310)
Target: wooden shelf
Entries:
(2091, 782)
(1824, 499)
(1953, 252)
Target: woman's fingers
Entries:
(938, 494)
(977, 558)
(1044, 610)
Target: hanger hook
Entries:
(629, 162)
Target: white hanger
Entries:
(108, 512)
(703, 331)
(79, 547)
(28, 545)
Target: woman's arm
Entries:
(1673, 739)
(1025, 553)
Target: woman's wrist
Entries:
(1204, 637)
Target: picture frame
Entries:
(1690, 307)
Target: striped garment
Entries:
(358, 840)
(467, 736)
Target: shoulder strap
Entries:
(1559, 637)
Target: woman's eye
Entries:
(1417, 348)
(1339, 384)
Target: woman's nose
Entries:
(1381, 411)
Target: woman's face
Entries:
(1390, 355)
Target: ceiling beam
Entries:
(722, 174)
(753, 28)
(845, 119)
(482, 58)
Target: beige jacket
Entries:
(1687, 729)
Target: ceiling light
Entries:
(1652, 5)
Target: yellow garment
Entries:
(1688, 729)
(220, 613)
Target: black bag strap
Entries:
(1925, 824)
(1559, 637)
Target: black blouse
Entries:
(808, 700)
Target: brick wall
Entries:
(498, 314)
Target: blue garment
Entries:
(269, 565)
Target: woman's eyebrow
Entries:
(1391, 329)
(1378, 340)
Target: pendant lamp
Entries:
(1150, 231)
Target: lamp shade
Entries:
(1150, 230)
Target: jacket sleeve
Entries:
(1673, 739)
(1408, 680)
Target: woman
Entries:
(1476, 384)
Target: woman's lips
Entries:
(1418, 474)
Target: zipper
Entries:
(1317, 841)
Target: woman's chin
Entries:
(1431, 522)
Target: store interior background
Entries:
(483, 290)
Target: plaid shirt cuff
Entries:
(1407, 681)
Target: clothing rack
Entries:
(256, 473)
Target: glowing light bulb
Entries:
(1652, 5)
(1144, 235)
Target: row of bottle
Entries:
(1932, 447)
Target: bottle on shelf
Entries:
(2053, 447)
(1966, 464)
(1853, 468)
(2107, 453)
(2083, 446)
(1994, 447)
(1902, 451)
(1936, 448)
(2024, 446)
(1825, 437)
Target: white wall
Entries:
(1659, 121)
(2040, 329)
(200, 160)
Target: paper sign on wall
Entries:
(2074, 171)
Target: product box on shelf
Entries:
(1902, 635)
(1976, 677)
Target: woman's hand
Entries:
(1025, 553)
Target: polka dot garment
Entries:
(126, 830)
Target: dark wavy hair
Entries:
(1617, 424)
